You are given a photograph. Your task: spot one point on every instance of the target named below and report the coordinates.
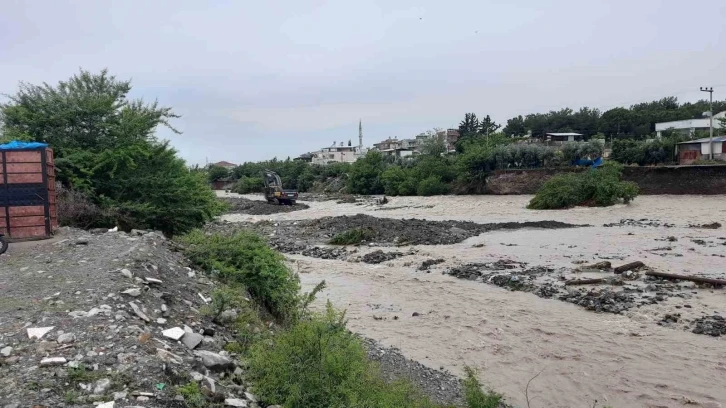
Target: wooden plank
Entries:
(25, 178)
(32, 221)
(24, 168)
(23, 157)
(27, 232)
(27, 210)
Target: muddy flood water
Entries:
(634, 358)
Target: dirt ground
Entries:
(496, 299)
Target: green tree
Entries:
(469, 125)
(365, 174)
(617, 121)
(487, 126)
(105, 146)
(515, 127)
(216, 173)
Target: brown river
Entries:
(623, 360)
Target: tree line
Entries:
(636, 122)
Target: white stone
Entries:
(175, 333)
(120, 395)
(138, 312)
(168, 356)
(142, 398)
(161, 320)
(196, 376)
(49, 361)
(153, 280)
(127, 273)
(188, 329)
(214, 361)
(38, 332)
(134, 292)
(235, 402)
(66, 338)
(192, 340)
(109, 404)
(93, 312)
(77, 313)
(5, 352)
(250, 397)
(101, 386)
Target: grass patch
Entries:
(319, 363)
(245, 260)
(192, 394)
(353, 236)
(473, 394)
(599, 187)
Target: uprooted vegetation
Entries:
(600, 187)
(257, 207)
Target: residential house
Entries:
(694, 150)
(560, 138)
(338, 154)
(225, 164)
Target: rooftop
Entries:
(706, 140)
(565, 134)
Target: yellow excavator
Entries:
(274, 193)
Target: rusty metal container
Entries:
(27, 193)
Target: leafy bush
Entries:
(645, 152)
(473, 394)
(106, 149)
(216, 173)
(353, 236)
(364, 177)
(596, 187)
(193, 397)
(392, 179)
(432, 186)
(245, 258)
(319, 363)
(247, 185)
(573, 151)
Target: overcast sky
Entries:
(257, 79)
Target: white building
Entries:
(690, 125)
(341, 153)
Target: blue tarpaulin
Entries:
(15, 145)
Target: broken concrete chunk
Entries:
(51, 361)
(161, 320)
(214, 361)
(38, 332)
(134, 292)
(5, 351)
(138, 312)
(109, 404)
(175, 333)
(66, 338)
(235, 402)
(192, 340)
(196, 376)
(101, 386)
(127, 273)
(153, 280)
(168, 357)
(77, 313)
(250, 397)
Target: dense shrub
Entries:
(247, 185)
(574, 151)
(319, 363)
(353, 236)
(75, 209)
(645, 152)
(596, 187)
(216, 173)
(246, 259)
(106, 149)
(365, 174)
(432, 186)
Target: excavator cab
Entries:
(274, 193)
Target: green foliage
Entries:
(319, 363)
(473, 394)
(469, 125)
(247, 185)
(392, 179)
(515, 127)
(353, 236)
(105, 148)
(244, 258)
(192, 394)
(432, 186)
(596, 187)
(582, 150)
(364, 177)
(646, 152)
(216, 173)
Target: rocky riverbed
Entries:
(114, 319)
(464, 291)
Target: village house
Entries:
(227, 165)
(689, 126)
(699, 149)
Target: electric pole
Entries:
(710, 116)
